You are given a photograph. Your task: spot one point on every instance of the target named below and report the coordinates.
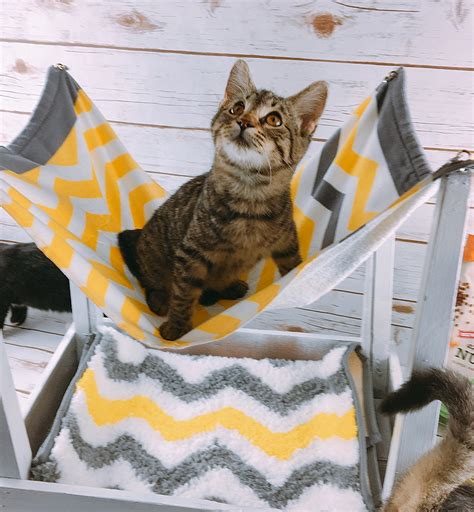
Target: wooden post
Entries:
(377, 313)
(86, 317)
(48, 392)
(15, 451)
(377, 332)
(395, 381)
(435, 308)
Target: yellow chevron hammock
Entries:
(69, 181)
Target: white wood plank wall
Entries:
(157, 70)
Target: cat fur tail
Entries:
(127, 241)
(430, 481)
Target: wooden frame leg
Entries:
(15, 451)
(435, 311)
(377, 313)
(377, 332)
(86, 317)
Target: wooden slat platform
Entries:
(30, 347)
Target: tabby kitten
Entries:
(435, 482)
(217, 226)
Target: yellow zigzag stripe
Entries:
(65, 189)
(83, 103)
(265, 296)
(361, 167)
(19, 209)
(220, 325)
(139, 197)
(275, 444)
(112, 221)
(99, 136)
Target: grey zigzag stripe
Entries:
(235, 376)
(166, 480)
(328, 153)
(332, 199)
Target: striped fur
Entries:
(217, 226)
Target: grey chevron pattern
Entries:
(332, 199)
(210, 461)
(167, 480)
(328, 153)
(235, 377)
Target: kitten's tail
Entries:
(127, 241)
(435, 476)
(426, 385)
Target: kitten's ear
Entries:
(309, 105)
(239, 83)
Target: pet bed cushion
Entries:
(255, 433)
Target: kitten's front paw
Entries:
(158, 302)
(235, 291)
(209, 297)
(289, 266)
(172, 332)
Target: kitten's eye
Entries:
(273, 119)
(237, 109)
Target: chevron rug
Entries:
(254, 433)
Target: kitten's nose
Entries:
(244, 122)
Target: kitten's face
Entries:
(255, 130)
(260, 130)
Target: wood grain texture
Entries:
(27, 364)
(50, 322)
(31, 347)
(184, 90)
(397, 31)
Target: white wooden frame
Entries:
(410, 437)
(415, 433)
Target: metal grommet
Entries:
(60, 66)
(391, 76)
(459, 155)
